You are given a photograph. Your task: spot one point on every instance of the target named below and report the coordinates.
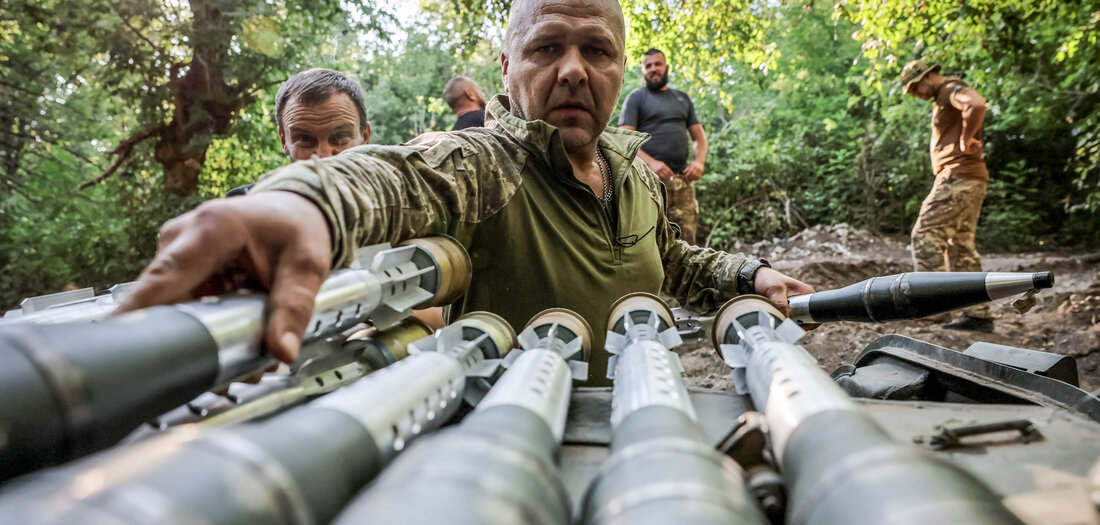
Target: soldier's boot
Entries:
(973, 324)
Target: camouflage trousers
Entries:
(943, 237)
(682, 208)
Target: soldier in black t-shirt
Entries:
(669, 116)
(467, 101)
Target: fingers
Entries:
(693, 173)
(433, 317)
(796, 287)
(779, 295)
(777, 287)
(298, 277)
(194, 248)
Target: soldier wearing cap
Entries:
(943, 237)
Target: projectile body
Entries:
(838, 465)
(297, 467)
(661, 470)
(70, 389)
(497, 467)
(913, 295)
(322, 367)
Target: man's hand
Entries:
(778, 287)
(276, 241)
(660, 168)
(971, 145)
(694, 171)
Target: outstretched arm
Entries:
(701, 279)
(303, 220)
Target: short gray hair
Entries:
(317, 85)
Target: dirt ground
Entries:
(1065, 320)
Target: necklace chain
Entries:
(605, 173)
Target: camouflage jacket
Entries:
(538, 238)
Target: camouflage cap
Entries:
(914, 71)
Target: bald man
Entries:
(467, 101)
(553, 206)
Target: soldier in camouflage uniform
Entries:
(943, 237)
(553, 206)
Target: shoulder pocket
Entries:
(440, 151)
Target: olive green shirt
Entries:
(947, 127)
(538, 238)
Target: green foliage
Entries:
(807, 124)
(799, 100)
(1038, 64)
(84, 81)
(405, 86)
(710, 41)
(252, 149)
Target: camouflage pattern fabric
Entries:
(943, 237)
(683, 209)
(537, 237)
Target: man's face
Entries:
(921, 89)
(324, 129)
(565, 65)
(655, 71)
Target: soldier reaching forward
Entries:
(943, 237)
(551, 204)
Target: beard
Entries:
(658, 84)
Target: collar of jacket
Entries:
(620, 146)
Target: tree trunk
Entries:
(205, 104)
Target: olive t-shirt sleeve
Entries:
(701, 279)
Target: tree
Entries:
(154, 96)
(1038, 63)
(185, 69)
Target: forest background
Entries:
(116, 115)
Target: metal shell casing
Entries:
(542, 321)
(392, 344)
(497, 467)
(661, 469)
(399, 402)
(640, 334)
(538, 381)
(455, 270)
(838, 465)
